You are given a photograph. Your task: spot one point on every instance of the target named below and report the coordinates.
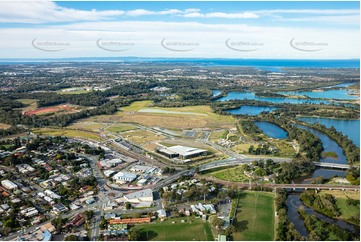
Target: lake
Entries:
(272, 130)
(252, 96)
(331, 94)
(250, 110)
(351, 128)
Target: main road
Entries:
(237, 161)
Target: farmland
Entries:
(191, 229)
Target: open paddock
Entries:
(68, 133)
(52, 109)
(4, 126)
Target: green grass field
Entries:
(231, 174)
(67, 133)
(347, 211)
(255, 217)
(120, 128)
(85, 125)
(174, 118)
(167, 231)
(30, 104)
(135, 106)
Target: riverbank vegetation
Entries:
(285, 228)
(352, 152)
(325, 203)
(334, 204)
(321, 230)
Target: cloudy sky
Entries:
(287, 30)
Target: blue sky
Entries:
(292, 30)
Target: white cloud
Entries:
(348, 19)
(45, 11)
(309, 11)
(147, 36)
(221, 15)
(48, 12)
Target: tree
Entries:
(218, 223)
(229, 230)
(71, 238)
(88, 214)
(128, 205)
(134, 234)
(103, 223)
(204, 191)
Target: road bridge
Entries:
(332, 165)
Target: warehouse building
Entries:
(183, 152)
(143, 198)
(122, 177)
(9, 185)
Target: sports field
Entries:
(198, 230)
(255, 217)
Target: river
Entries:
(351, 128)
(293, 202)
(252, 96)
(329, 145)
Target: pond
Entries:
(272, 130)
(351, 128)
